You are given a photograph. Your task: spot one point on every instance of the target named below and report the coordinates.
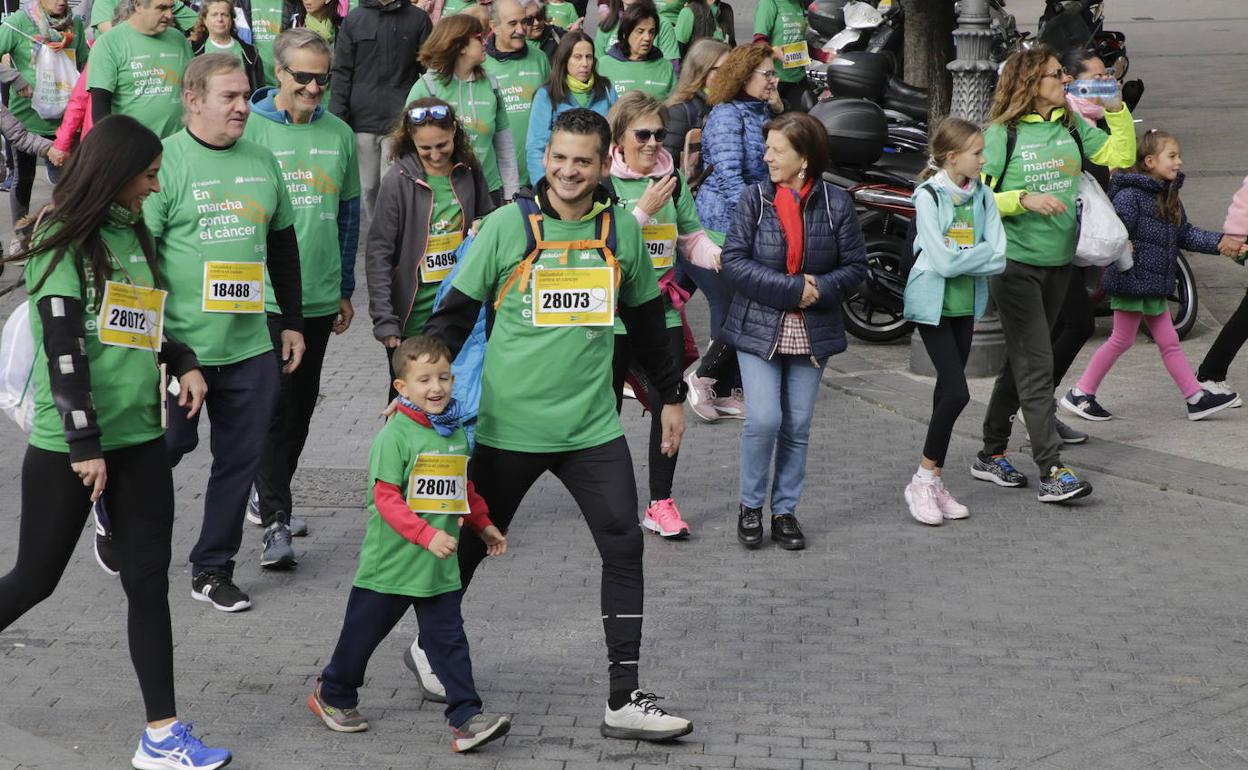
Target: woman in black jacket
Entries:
(794, 249)
(215, 32)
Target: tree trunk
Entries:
(929, 48)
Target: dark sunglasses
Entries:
(643, 134)
(421, 115)
(303, 78)
(529, 21)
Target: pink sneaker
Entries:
(921, 497)
(949, 508)
(663, 518)
(732, 407)
(702, 397)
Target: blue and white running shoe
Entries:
(180, 751)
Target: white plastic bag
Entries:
(17, 367)
(1102, 235)
(55, 76)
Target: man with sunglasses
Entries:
(546, 400)
(316, 151)
(519, 68)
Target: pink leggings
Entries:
(1126, 323)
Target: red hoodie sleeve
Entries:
(394, 511)
(478, 517)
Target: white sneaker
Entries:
(642, 720)
(949, 507)
(1221, 387)
(418, 663)
(921, 497)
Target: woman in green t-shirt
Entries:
(453, 56)
(702, 19)
(96, 316)
(429, 200)
(215, 32)
(634, 62)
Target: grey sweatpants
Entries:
(373, 154)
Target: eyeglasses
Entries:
(303, 78)
(1056, 74)
(767, 74)
(643, 135)
(534, 21)
(421, 115)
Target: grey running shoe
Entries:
(478, 731)
(998, 470)
(1061, 485)
(1069, 435)
(298, 525)
(277, 553)
(336, 719)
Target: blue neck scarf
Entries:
(445, 423)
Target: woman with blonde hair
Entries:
(453, 56)
(687, 105)
(1034, 150)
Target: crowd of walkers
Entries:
(541, 205)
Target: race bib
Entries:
(439, 484)
(660, 244)
(960, 236)
(582, 296)
(233, 287)
(794, 55)
(439, 259)
(132, 316)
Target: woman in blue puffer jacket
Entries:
(794, 249)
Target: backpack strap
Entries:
(1074, 134)
(1011, 140)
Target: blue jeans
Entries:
(780, 399)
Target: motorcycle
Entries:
(1067, 24)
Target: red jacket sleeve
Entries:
(394, 511)
(478, 512)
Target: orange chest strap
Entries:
(524, 271)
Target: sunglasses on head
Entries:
(420, 115)
(643, 134)
(303, 78)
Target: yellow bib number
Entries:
(794, 55)
(660, 244)
(583, 296)
(233, 287)
(961, 236)
(132, 316)
(439, 259)
(439, 484)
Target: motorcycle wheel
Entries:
(1183, 300)
(872, 319)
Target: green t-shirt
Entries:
(669, 10)
(561, 14)
(319, 167)
(659, 234)
(266, 25)
(654, 76)
(959, 297)
(548, 388)
(684, 25)
(19, 45)
(1046, 160)
(184, 16)
(456, 6)
(233, 49)
(445, 222)
(480, 111)
(125, 382)
(1149, 306)
(389, 562)
(211, 220)
(144, 73)
(784, 23)
(518, 80)
(666, 42)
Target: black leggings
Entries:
(662, 467)
(602, 483)
(1226, 346)
(948, 345)
(1075, 324)
(25, 167)
(139, 497)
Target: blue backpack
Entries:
(470, 362)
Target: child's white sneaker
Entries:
(921, 497)
(949, 507)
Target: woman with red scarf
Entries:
(793, 251)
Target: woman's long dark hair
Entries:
(705, 22)
(117, 150)
(558, 84)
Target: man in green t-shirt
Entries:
(546, 397)
(136, 69)
(316, 152)
(221, 219)
(518, 67)
(104, 11)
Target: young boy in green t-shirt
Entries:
(418, 469)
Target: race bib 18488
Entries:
(583, 296)
(439, 484)
(233, 287)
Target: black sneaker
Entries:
(220, 591)
(1210, 403)
(786, 532)
(277, 553)
(105, 549)
(750, 527)
(1069, 435)
(1085, 406)
(998, 470)
(1062, 484)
